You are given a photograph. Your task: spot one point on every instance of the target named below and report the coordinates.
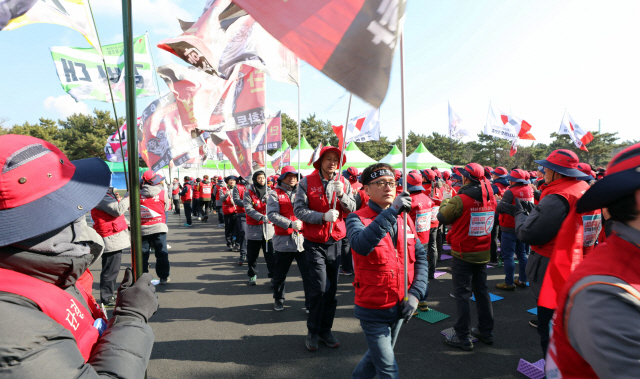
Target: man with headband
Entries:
(323, 230)
(376, 236)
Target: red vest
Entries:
(106, 225)
(364, 198)
(318, 202)
(187, 195)
(355, 186)
(572, 190)
(421, 213)
(241, 189)
(524, 192)
(259, 205)
(436, 197)
(379, 276)
(616, 257)
(471, 232)
(196, 190)
(205, 190)
(501, 188)
(152, 209)
(176, 191)
(286, 210)
(59, 305)
(228, 207)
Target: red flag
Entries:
(240, 140)
(283, 160)
(274, 132)
(351, 41)
(244, 99)
(338, 131)
(316, 154)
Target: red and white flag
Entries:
(455, 130)
(578, 135)
(316, 154)
(365, 127)
(504, 125)
(283, 160)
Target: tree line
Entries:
(83, 136)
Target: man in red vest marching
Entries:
(596, 326)
(471, 214)
(229, 212)
(323, 232)
(206, 189)
(175, 195)
(377, 239)
(154, 229)
(186, 196)
(51, 325)
(240, 218)
(259, 231)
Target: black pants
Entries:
(204, 208)
(468, 277)
(109, 274)
(345, 256)
(241, 222)
(176, 206)
(439, 239)
(432, 251)
(495, 235)
(323, 259)
(159, 243)
(253, 252)
(544, 317)
(196, 207)
(229, 225)
(281, 269)
(220, 215)
(187, 211)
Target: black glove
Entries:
(137, 299)
(507, 197)
(527, 206)
(506, 208)
(519, 207)
(402, 203)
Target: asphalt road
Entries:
(211, 324)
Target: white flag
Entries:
(365, 127)
(505, 125)
(455, 131)
(579, 136)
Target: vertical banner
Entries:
(274, 132)
(240, 139)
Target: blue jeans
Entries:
(159, 243)
(510, 245)
(379, 359)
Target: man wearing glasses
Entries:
(376, 237)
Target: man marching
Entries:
(323, 231)
(154, 228)
(205, 197)
(377, 238)
(240, 217)
(259, 229)
(186, 196)
(229, 212)
(175, 195)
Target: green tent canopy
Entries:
(394, 156)
(421, 159)
(356, 158)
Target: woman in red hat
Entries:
(323, 231)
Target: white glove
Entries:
(296, 225)
(446, 195)
(409, 307)
(338, 188)
(402, 203)
(265, 219)
(331, 215)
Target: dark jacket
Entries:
(544, 222)
(32, 345)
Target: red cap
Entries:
(353, 172)
(398, 174)
(414, 182)
(500, 171)
(473, 171)
(437, 172)
(446, 175)
(562, 161)
(518, 176)
(429, 174)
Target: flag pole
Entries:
(450, 136)
(565, 113)
(404, 167)
(344, 137)
(132, 145)
(113, 102)
(299, 138)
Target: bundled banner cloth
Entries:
(225, 36)
(74, 14)
(112, 148)
(81, 71)
(350, 41)
(579, 136)
(162, 138)
(455, 130)
(365, 127)
(283, 160)
(240, 140)
(503, 125)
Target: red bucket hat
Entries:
(446, 175)
(287, 170)
(518, 176)
(500, 172)
(476, 173)
(428, 174)
(42, 190)
(564, 162)
(325, 150)
(586, 170)
(414, 182)
(151, 177)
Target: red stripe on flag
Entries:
(339, 133)
(359, 123)
(504, 119)
(524, 131)
(585, 140)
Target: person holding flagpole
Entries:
(323, 230)
(259, 229)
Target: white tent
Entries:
(306, 151)
(356, 158)
(394, 156)
(421, 159)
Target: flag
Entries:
(74, 14)
(162, 138)
(12, 9)
(82, 75)
(503, 125)
(197, 93)
(579, 136)
(240, 140)
(257, 138)
(112, 148)
(338, 130)
(350, 41)
(315, 155)
(365, 127)
(283, 160)
(514, 147)
(225, 36)
(455, 131)
(274, 132)
(219, 153)
(226, 147)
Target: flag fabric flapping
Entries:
(274, 132)
(503, 125)
(283, 159)
(578, 135)
(240, 140)
(74, 14)
(315, 155)
(365, 127)
(82, 75)
(455, 130)
(226, 36)
(514, 147)
(350, 41)
(112, 148)
(12, 9)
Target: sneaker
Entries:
(187, 225)
(311, 341)
(252, 280)
(520, 284)
(329, 339)
(110, 302)
(416, 312)
(278, 305)
(534, 323)
(506, 287)
(164, 281)
(306, 310)
(220, 225)
(423, 306)
(346, 273)
(168, 246)
(486, 338)
(240, 260)
(465, 344)
(199, 218)
(230, 248)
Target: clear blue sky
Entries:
(534, 58)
